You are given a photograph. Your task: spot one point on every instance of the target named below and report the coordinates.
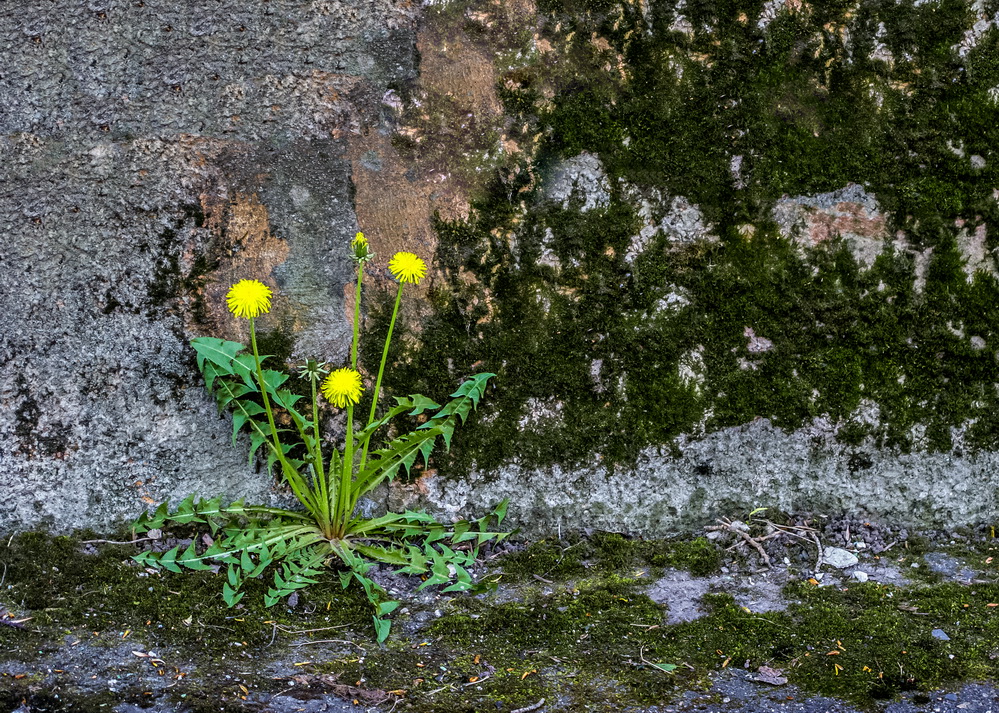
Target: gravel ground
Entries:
(111, 671)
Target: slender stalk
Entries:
(263, 392)
(344, 507)
(381, 371)
(322, 486)
(290, 474)
(357, 317)
(343, 510)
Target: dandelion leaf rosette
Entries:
(293, 548)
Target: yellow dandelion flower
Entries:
(249, 298)
(407, 267)
(362, 251)
(343, 387)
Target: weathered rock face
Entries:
(745, 256)
(151, 155)
(719, 254)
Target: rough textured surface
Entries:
(754, 465)
(745, 256)
(718, 253)
(151, 154)
(588, 624)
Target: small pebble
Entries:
(860, 576)
(940, 634)
(950, 697)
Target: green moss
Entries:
(608, 552)
(15, 694)
(589, 362)
(171, 280)
(101, 596)
(862, 643)
(550, 559)
(594, 640)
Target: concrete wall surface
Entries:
(720, 255)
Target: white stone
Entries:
(839, 558)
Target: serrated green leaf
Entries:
(388, 607)
(245, 366)
(274, 379)
(191, 560)
(245, 563)
(420, 403)
(167, 560)
(219, 352)
(230, 595)
(500, 511)
(210, 372)
(383, 554)
(382, 628)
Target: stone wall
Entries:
(720, 254)
(152, 153)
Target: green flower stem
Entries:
(343, 510)
(322, 486)
(357, 317)
(381, 370)
(263, 392)
(290, 474)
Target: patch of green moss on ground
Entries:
(597, 640)
(101, 596)
(861, 643)
(977, 550)
(589, 361)
(605, 552)
(559, 642)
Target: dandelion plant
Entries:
(295, 546)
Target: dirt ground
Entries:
(87, 652)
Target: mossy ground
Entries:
(571, 622)
(107, 594)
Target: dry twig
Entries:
(726, 526)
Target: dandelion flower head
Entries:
(362, 251)
(342, 387)
(249, 299)
(407, 267)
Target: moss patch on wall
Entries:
(601, 353)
